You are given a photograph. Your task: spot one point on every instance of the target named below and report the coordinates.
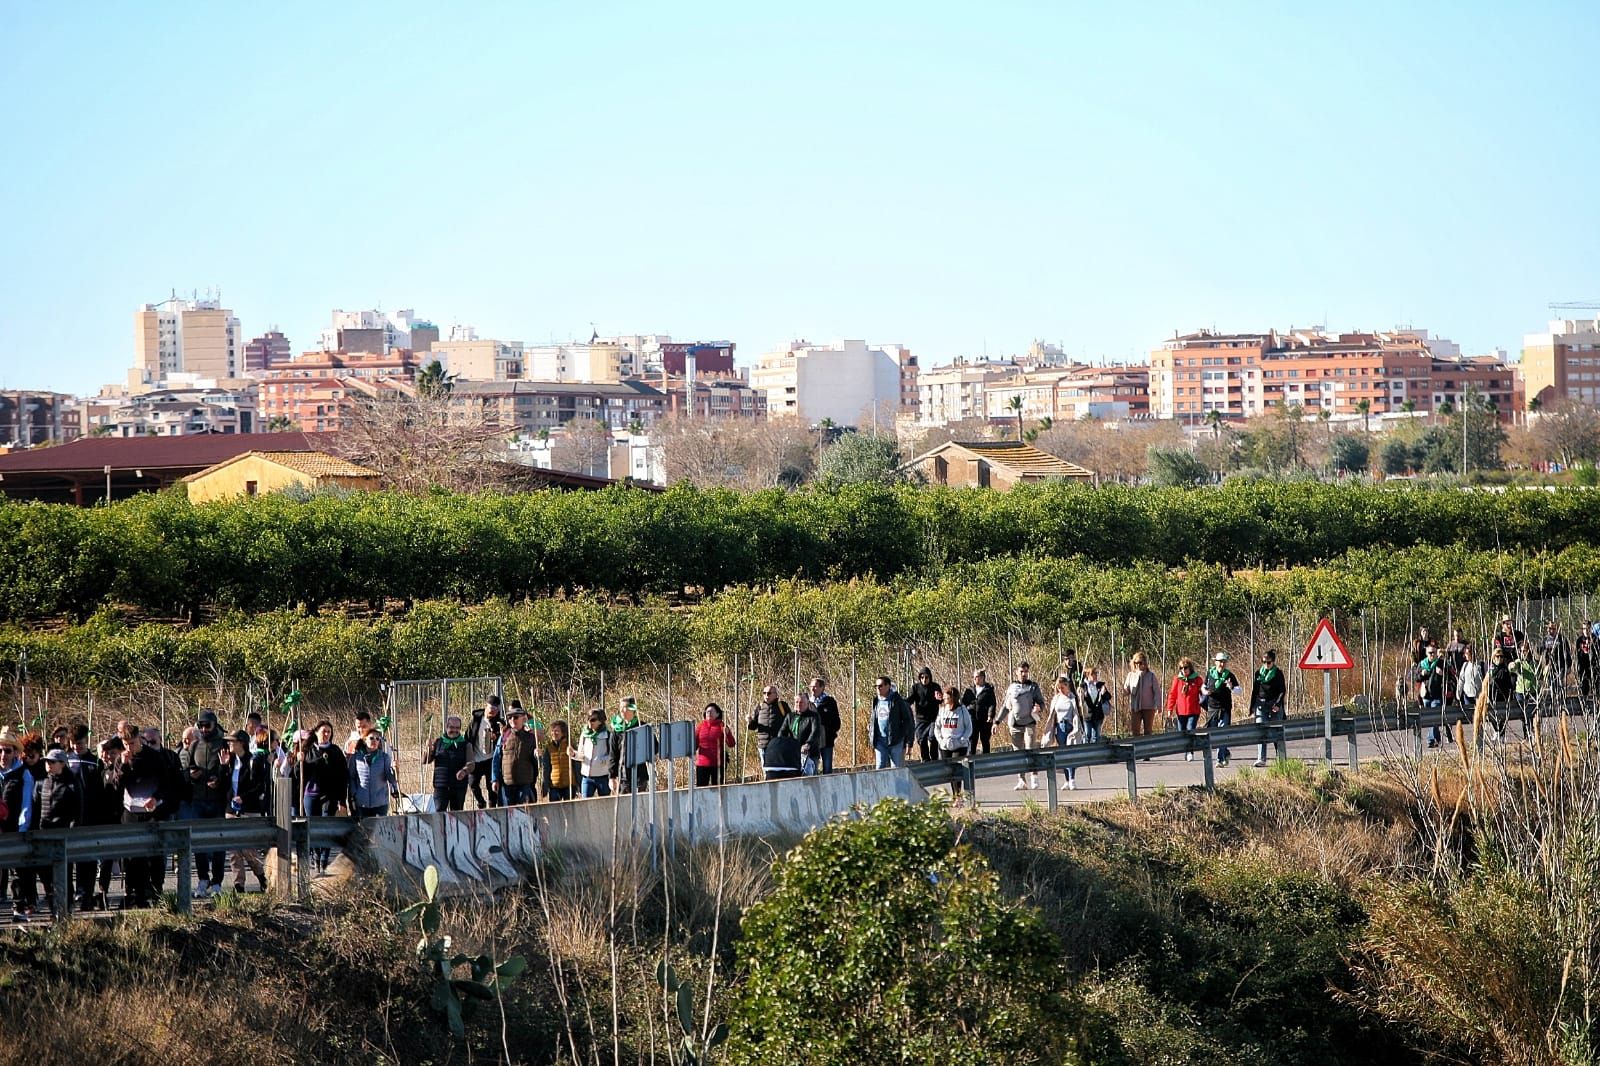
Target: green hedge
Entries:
(161, 555)
(979, 600)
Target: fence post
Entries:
(1355, 761)
(855, 717)
(1050, 786)
(1133, 775)
(185, 870)
(283, 819)
(1210, 771)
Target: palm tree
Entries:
(1043, 425)
(1409, 407)
(433, 381)
(1214, 420)
(1014, 405)
(1364, 406)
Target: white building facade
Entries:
(850, 383)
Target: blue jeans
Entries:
(1091, 733)
(808, 766)
(1433, 734)
(887, 757)
(1263, 716)
(1187, 722)
(595, 786)
(1224, 720)
(826, 761)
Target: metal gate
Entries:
(417, 710)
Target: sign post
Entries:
(1326, 652)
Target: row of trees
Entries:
(165, 556)
(975, 601)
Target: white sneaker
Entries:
(1261, 762)
(1072, 786)
(1019, 786)
(1033, 781)
(201, 891)
(1188, 756)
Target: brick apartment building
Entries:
(316, 391)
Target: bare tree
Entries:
(582, 448)
(1566, 432)
(1117, 451)
(736, 453)
(422, 442)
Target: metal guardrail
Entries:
(1129, 752)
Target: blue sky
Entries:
(958, 178)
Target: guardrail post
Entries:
(63, 876)
(972, 781)
(1210, 768)
(1416, 732)
(1354, 758)
(185, 870)
(1278, 742)
(1133, 777)
(1052, 798)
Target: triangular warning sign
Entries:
(1326, 651)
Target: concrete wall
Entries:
(478, 850)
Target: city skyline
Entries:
(948, 181)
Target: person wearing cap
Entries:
(247, 776)
(637, 777)
(1218, 692)
(372, 777)
(518, 760)
(57, 804)
(207, 796)
(484, 731)
(18, 788)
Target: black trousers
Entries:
(453, 798)
(145, 876)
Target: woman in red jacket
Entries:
(712, 739)
(1183, 699)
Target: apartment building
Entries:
(266, 351)
(850, 383)
(378, 332)
(579, 361)
(527, 407)
(196, 336)
(720, 397)
(956, 392)
(1245, 374)
(1563, 362)
(317, 391)
(29, 418)
(481, 360)
(1070, 392)
(186, 406)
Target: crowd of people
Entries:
(1519, 671)
(507, 756)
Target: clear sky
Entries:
(958, 178)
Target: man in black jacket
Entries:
(891, 727)
(85, 769)
(143, 779)
(980, 698)
(57, 804)
(828, 711)
(767, 718)
(206, 792)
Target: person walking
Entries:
(712, 742)
(453, 758)
(952, 732)
(1183, 699)
(372, 777)
(596, 751)
(518, 760)
(327, 781)
(832, 723)
(1023, 707)
(1429, 675)
(924, 699)
(1095, 706)
(557, 748)
(88, 771)
(980, 703)
(1144, 695)
(247, 783)
(1469, 682)
(1221, 686)
(57, 804)
(1268, 693)
(1066, 719)
(138, 776)
(891, 727)
(485, 730)
(206, 795)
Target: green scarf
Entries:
(450, 743)
(1266, 674)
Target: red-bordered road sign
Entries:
(1326, 651)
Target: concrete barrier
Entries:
(487, 849)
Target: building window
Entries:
(249, 488)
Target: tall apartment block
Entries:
(195, 336)
(1563, 362)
